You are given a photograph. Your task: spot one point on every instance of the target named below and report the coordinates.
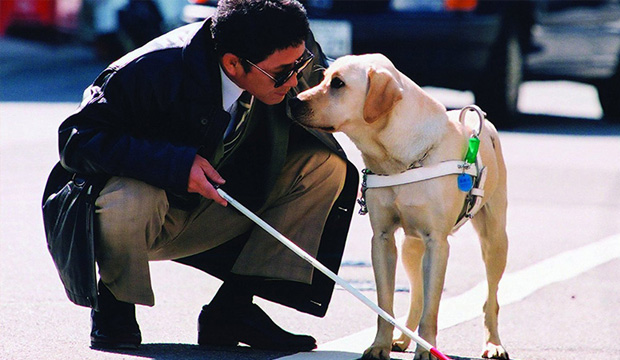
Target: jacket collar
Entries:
(201, 64)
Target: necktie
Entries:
(238, 122)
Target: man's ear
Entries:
(383, 93)
(232, 64)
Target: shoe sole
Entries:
(213, 341)
(113, 346)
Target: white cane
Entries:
(340, 281)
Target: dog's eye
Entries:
(336, 83)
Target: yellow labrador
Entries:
(397, 126)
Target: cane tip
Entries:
(438, 354)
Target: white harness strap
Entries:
(451, 167)
(473, 201)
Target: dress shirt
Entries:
(230, 91)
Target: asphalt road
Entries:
(560, 296)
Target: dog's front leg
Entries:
(384, 257)
(434, 265)
(411, 257)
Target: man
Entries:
(203, 106)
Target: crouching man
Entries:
(202, 106)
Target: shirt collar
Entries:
(230, 91)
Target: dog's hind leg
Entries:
(412, 252)
(490, 224)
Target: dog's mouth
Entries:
(329, 129)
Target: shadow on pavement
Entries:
(561, 125)
(195, 352)
(37, 71)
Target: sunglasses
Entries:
(297, 67)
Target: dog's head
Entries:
(356, 90)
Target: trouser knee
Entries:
(335, 170)
(317, 171)
(131, 210)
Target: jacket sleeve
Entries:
(116, 133)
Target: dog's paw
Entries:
(492, 351)
(377, 353)
(401, 344)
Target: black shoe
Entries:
(114, 326)
(248, 324)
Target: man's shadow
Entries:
(195, 352)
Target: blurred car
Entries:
(580, 41)
(487, 46)
(59, 16)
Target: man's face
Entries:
(262, 86)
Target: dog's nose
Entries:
(296, 107)
(294, 103)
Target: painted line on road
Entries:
(514, 287)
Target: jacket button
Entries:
(204, 121)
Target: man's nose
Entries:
(292, 82)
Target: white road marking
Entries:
(514, 287)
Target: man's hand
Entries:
(200, 177)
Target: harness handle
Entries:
(481, 116)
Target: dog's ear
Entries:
(383, 93)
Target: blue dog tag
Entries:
(465, 182)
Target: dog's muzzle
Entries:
(299, 110)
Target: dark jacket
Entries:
(146, 117)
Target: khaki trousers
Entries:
(137, 225)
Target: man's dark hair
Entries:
(255, 29)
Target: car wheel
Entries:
(497, 92)
(608, 91)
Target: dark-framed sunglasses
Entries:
(281, 79)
